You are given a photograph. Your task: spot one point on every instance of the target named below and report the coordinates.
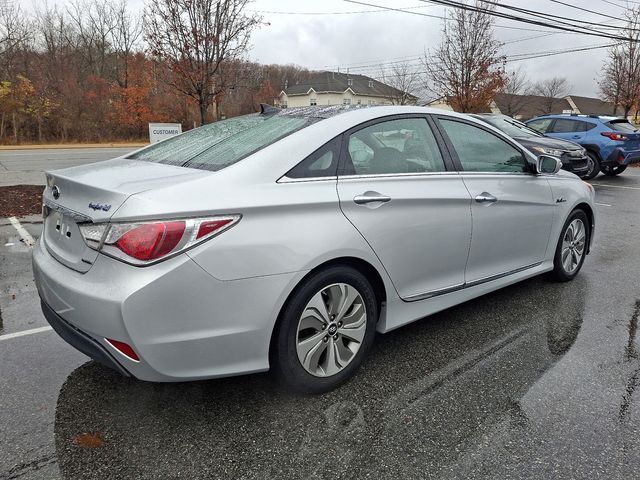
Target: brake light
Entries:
(151, 240)
(143, 243)
(614, 136)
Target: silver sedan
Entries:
(285, 239)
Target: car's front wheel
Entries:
(613, 170)
(594, 166)
(572, 247)
(325, 330)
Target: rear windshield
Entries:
(621, 126)
(220, 144)
(513, 128)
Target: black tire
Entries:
(284, 357)
(594, 166)
(613, 170)
(559, 272)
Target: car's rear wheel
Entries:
(325, 330)
(572, 247)
(613, 170)
(594, 166)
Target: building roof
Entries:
(594, 106)
(337, 82)
(529, 106)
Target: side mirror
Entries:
(548, 164)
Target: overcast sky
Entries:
(361, 41)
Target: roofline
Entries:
(344, 91)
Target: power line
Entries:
(335, 13)
(446, 19)
(556, 26)
(582, 9)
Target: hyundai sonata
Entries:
(285, 239)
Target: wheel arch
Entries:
(595, 149)
(364, 267)
(586, 208)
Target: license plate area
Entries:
(64, 241)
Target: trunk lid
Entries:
(93, 193)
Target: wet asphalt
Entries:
(537, 380)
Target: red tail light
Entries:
(619, 137)
(151, 240)
(148, 242)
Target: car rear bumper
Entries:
(182, 323)
(624, 157)
(80, 340)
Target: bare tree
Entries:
(551, 90)
(467, 68)
(404, 82)
(515, 93)
(15, 33)
(124, 38)
(93, 22)
(195, 38)
(620, 82)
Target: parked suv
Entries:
(574, 157)
(612, 143)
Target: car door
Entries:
(512, 209)
(568, 129)
(406, 199)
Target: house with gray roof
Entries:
(337, 88)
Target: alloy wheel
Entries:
(331, 330)
(573, 245)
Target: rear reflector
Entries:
(124, 349)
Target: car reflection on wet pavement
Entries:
(537, 380)
(461, 399)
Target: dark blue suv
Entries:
(612, 143)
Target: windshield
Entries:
(220, 144)
(513, 128)
(622, 126)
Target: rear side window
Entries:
(622, 126)
(541, 125)
(321, 163)
(481, 151)
(405, 145)
(566, 126)
(220, 144)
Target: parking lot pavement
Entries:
(26, 167)
(538, 380)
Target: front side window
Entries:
(395, 146)
(220, 144)
(481, 151)
(541, 125)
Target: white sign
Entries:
(567, 112)
(162, 131)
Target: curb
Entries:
(59, 146)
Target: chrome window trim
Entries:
(518, 174)
(285, 179)
(408, 174)
(462, 286)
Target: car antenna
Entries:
(268, 109)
